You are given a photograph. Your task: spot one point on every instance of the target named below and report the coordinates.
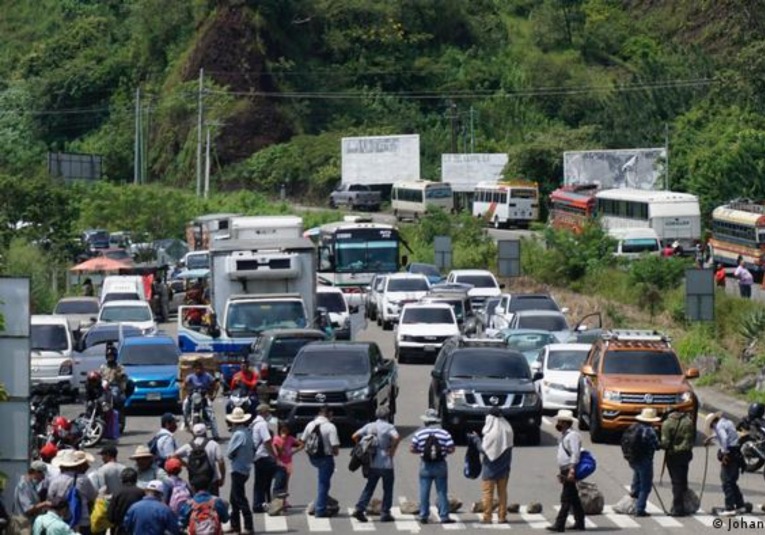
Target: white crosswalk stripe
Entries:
(704, 518)
(589, 524)
(275, 524)
(359, 526)
(658, 516)
(318, 524)
(535, 521)
(404, 522)
(622, 521)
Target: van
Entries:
(52, 348)
(122, 288)
(631, 243)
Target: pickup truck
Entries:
(352, 378)
(355, 197)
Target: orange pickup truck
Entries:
(625, 372)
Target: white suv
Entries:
(483, 282)
(423, 329)
(399, 289)
(136, 313)
(52, 367)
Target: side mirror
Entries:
(564, 310)
(434, 374)
(93, 320)
(538, 376)
(353, 309)
(404, 260)
(588, 370)
(692, 373)
(501, 285)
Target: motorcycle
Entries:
(244, 398)
(198, 406)
(752, 443)
(42, 410)
(62, 433)
(93, 420)
(118, 399)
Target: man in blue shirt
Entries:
(642, 466)
(433, 470)
(151, 516)
(381, 466)
(201, 380)
(729, 455)
(241, 453)
(202, 495)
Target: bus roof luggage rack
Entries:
(636, 335)
(747, 205)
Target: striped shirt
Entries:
(443, 436)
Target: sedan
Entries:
(559, 364)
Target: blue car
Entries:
(152, 363)
(429, 270)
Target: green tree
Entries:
(23, 259)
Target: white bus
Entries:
(412, 199)
(674, 216)
(504, 203)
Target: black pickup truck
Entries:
(352, 378)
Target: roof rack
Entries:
(464, 341)
(636, 335)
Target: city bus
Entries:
(738, 229)
(352, 252)
(506, 203)
(571, 207)
(412, 199)
(674, 216)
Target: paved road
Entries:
(532, 477)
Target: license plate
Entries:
(153, 396)
(429, 348)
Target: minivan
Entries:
(52, 347)
(631, 243)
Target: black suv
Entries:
(273, 352)
(472, 376)
(352, 378)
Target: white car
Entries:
(484, 285)
(135, 313)
(560, 364)
(52, 348)
(123, 288)
(423, 329)
(333, 300)
(374, 297)
(509, 304)
(399, 289)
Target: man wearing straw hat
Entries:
(729, 455)
(241, 453)
(145, 466)
(569, 447)
(641, 441)
(74, 464)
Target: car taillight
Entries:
(351, 290)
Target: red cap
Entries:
(173, 466)
(48, 451)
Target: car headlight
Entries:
(285, 394)
(685, 397)
(530, 399)
(554, 386)
(65, 368)
(359, 393)
(407, 338)
(612, 395)
(148, 330)
(455, 397)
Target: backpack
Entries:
(204, 519)
(472, 465)
(586, 465)
(179, 494)
(632, 442)
(199, 463)
(75, 504)
(153, 446)
(432, 451)
(364, 451)
(314, 443)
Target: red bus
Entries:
(572, 206)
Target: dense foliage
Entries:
(285, 79)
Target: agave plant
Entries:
(751, 329)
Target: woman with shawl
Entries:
(496, 445)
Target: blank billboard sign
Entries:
(380, 159)
(465, 171)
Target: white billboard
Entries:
(380, 159)
(464, 171)
(623, 168)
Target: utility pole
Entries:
(207, 164)
(146, 135)
(472, 130)
(666, 158)
(453, 118)
(200, 104)
(137, 140)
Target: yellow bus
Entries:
(738, 230)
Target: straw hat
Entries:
(142, 452)
(72, 458)
(710, 419)
(565, 415)
(238, 416)
(648, 415)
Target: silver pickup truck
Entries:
(355, 197)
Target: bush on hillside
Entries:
(23, 259)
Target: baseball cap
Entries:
(39, 466)
(168, 417)
(155, 485)
(199, 429)
(49, 450)
(173, 466)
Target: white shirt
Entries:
(261, 435)
(213, 450)
(328, 433)
(569, 446)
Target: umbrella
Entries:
(100, 263)
(193, 274)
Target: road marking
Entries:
(458, 524)
(663, 520)
(275, 523)
(622, 521)
(498, 525)
(589, 524)
(547, 421)
(318, 524)
(404, 522)
(359, 526)
(535, 521)
(705, 518)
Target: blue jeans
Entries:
(326, 467)
(375, 474)
(642, 480)
(431, 472)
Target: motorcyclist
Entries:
(117, 380)
(94, 386)
(201, 380)
(246, 378)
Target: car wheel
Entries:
(583, 425)
(496, 223)
(387, 326)
(534, 436)
(379, 321)
(597, 434)
(373, 313)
